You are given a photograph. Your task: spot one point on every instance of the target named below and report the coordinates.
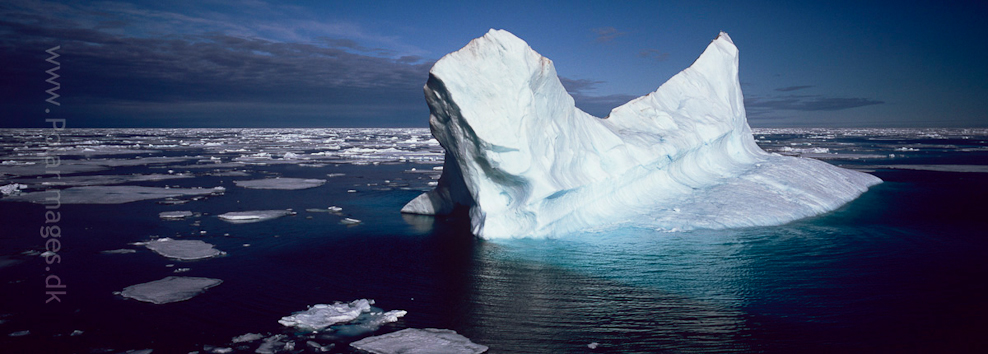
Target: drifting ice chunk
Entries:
(11, 189)
(119, 251)
(174, 215)
(281, 183)
(169, 289)
(349, 221)
(249, 337)
(527, 162)
(109, 194)
(242, 217)
(321, 316)
(414, 340)
(185, 250)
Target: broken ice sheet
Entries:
(185, 250)
(281, 183)
(169, 289)
(414, 340)
(109, 194)
(242, 217)
(349, 319)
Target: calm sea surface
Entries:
(904, 268)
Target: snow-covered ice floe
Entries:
(242, 217)
(185, 250)
(281, 183)
(356, 316)
(169, 289)
(526, 162)
(414, 341)
(109, 194)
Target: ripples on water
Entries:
(900, 269)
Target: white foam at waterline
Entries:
(281, 183)
(169, 289)
(415, 341)
(185, 250)
(243, 217)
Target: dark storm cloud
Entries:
(793, 88)
(107, 71)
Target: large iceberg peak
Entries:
(526, 162)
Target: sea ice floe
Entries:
(243, 217)
(938, 168)
(217, 350)
(358, 315)
(274, 344)
(175, 215)
(186, 250)
(349, 221)
(281, 183)
(415, 341)
(109, 194)
(249, 337)
(99, 180)
(321, 316)
(169, 289)
(119, 251)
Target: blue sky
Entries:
(363, 63)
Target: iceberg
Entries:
(414, 340)
(524, 161)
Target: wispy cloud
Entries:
(600, 106)
(607, 34)
(653, 54)
(574, 86)
(793, 88)
(805, 103)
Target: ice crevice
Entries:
(524, 161)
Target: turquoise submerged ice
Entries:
(526, 162)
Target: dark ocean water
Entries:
(901, 269)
